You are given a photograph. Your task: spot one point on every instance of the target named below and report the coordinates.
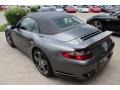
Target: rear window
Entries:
(67, 21)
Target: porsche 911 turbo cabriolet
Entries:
(61, 44)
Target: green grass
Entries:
(2, 27)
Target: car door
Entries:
(113, 24)
(22, 36)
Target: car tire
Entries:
(97, 23)
(9, 40)
(42, 63)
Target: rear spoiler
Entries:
(93, 40)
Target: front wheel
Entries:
(42, 63)
(9, 39)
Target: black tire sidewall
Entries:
(8, 34)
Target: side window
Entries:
(67, 21)
(35, 28)
(27, 24)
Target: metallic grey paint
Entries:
(70, 40)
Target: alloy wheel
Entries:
(41, 62)
(97, 24)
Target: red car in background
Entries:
(2, 7)
(95, 9)
(71, 10)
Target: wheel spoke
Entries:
(37, 56)
(39, 67)
(44, 69)
(97, 24)
(43, 62)
(36, 59)
(8, 38)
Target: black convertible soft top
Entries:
(47, 15)
(46, 21)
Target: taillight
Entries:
(78, 55)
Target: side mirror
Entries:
(13, 27)
(19, 26)
(118, 16)
(22, 27)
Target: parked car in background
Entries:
(3, 7)
(26, 7)
(83, 9)
(47, 9)
(106, 22)
(70, 9)
(95, 9)
(114, 9)
(106, 8)
(62, 44)
(103, 8)
(59, 9)
(76, 7)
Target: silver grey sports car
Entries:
(61, 44)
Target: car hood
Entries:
(104, 16)
(74, 33)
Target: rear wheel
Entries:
(97, 24)
(9, 40)
(42, 63)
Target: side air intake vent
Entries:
(65, 75)
(90, 35)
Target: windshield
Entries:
(84, 6)
(115, 14)
(67, 21)
(48, 9)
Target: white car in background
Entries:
(76, 7)
(59, 9)
(83, 9)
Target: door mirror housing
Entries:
(21, 27)
(13, 27)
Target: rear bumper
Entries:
(82, 72)
(76, 70)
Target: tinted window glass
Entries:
(67, 21)
(27, 23)
(35, 28)
(115, 14)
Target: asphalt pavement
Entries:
(2, 18)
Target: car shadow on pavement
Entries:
(116, 35)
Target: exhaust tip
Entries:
(91, 73)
